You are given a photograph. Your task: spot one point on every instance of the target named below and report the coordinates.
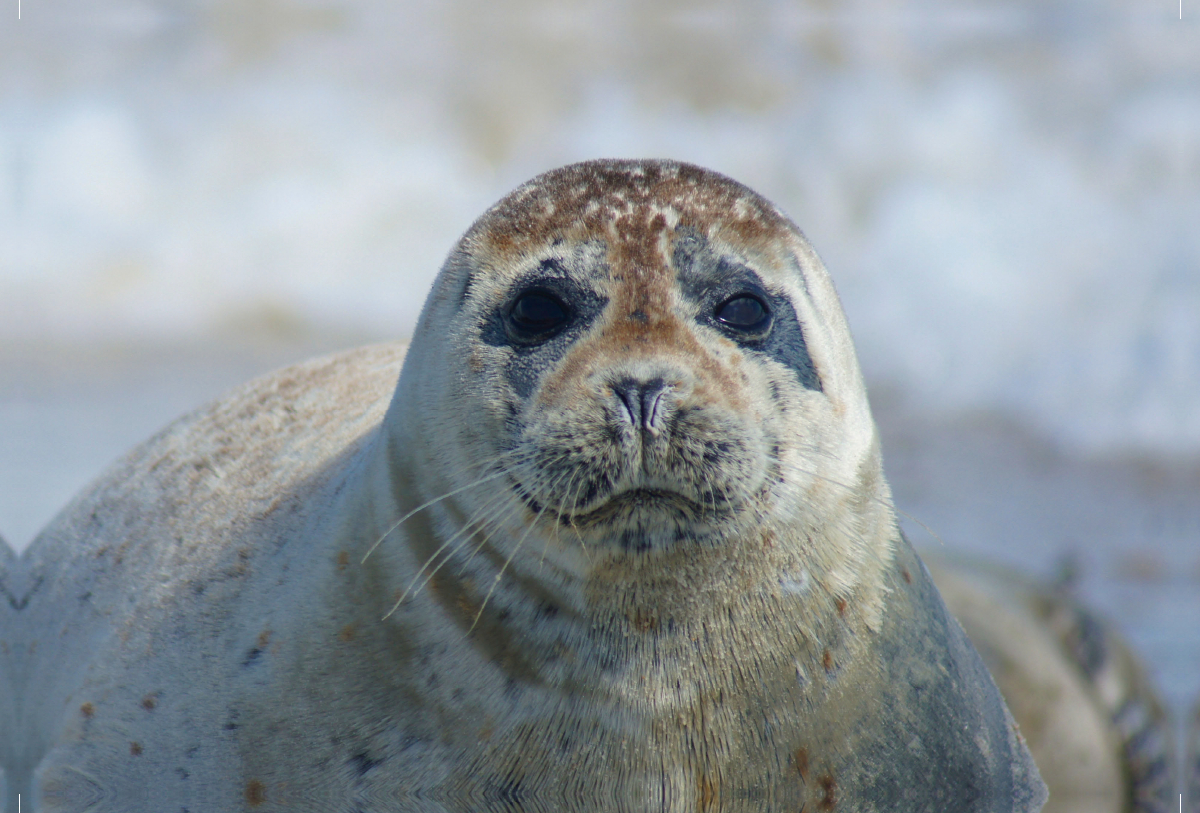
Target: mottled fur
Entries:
(511, 592)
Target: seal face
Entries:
(620, 541)
(640, 394)
(630, 343)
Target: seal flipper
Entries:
(928, 729)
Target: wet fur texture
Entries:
(646, 563)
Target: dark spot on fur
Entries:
(363, 763)
(149, 702)
(135, 749)
(907, 576)
(840, 603)
(508, 792)
(827, 661)
(87, 710)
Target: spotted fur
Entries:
(642, 561)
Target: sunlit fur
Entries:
(494, 585)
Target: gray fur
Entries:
(499, 591)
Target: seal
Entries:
(1100, 734)
(8, 695)
(620, 540)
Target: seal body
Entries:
(8, 694)
(1098, 731)
(620, 540)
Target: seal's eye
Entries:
(744, 313)
(536, 315)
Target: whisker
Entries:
(792, 466)
(574, 509)
(436, 500)
(462, 533)
(499, 575)
(515, 507)
(572, 473)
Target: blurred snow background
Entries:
(1007, 195)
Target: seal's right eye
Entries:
(537, 315)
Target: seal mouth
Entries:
(628, 504)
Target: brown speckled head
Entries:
(647, 355)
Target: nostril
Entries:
(641, 402)
(651, 400)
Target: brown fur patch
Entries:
(709, 792)
(642, 620)
(800, 759)
(618, 199)
(255, 793)
(828, 791)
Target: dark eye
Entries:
(536, 314)
(744, 313)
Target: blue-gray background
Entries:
(1006, 193)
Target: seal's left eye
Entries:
(536, 314)
(744, 313)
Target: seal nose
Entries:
(641, 402)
